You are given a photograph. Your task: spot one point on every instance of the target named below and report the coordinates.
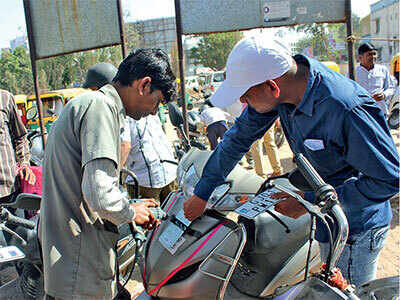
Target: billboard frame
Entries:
(34, 59)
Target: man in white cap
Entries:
(327, 117)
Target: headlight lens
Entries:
(218, 193)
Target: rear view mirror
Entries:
(31, 113)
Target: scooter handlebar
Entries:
(308, 172)
(10, 218)
(158, 213)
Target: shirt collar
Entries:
(306, 105)
(110, 91)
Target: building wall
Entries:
(366, 26)
(385, 24)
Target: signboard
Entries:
(199, 16)
(66, 26)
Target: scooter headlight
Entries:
(218, 194)
(189, 181)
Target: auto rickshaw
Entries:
(332, 65)
(394, 102)
(20, 100)
(53, 102)
(395, 67)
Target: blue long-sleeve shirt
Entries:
(340, 130)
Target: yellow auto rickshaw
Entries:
(53, 102)
(332, 65)
(395, 66)
(20, 101)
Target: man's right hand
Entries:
(143, 215)
(194, 207)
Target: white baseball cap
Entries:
(252, 61)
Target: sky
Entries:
(12, 18)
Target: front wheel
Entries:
(393, 119)
(380, 289)
(279, 136)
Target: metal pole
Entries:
(121, 29)
(180, 56)
(32, 51)
(350, 43)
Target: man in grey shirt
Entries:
(82, 204)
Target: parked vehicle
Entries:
(191, 82)
(394, 107)
(36, 147)
(196, 136)
(332, 65)
(53, 102)
(271, 256)
(20, 100)
(213, 81)
(29, 284)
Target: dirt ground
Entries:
(389, 260)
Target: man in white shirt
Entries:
(375, 78)
(215, 120)
(151, 159)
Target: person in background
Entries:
(82, 205)
(215, 121)
(272, 152)
(14, 163)
(14, 149)
(98, 76)
(151, 159)
(255, 155)
(328, 118)
(373, 77)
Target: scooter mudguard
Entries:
(201, 265)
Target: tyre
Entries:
(393, 120)
(380, 289)
(279, 136)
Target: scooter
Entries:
(36, 147)
(196, 137)
(29, 284)
(266, 256)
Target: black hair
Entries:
(365, 47)
(153, 63)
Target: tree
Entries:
(16, 72)
(213, 49)
(323, 37)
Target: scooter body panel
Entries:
(201, 266)
(272, 256)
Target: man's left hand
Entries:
(289, 207)
(26, 173)
(379, 96)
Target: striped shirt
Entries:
(14, 148)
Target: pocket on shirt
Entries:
(322, 160)
(378, 237)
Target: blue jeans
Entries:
(359, 259)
